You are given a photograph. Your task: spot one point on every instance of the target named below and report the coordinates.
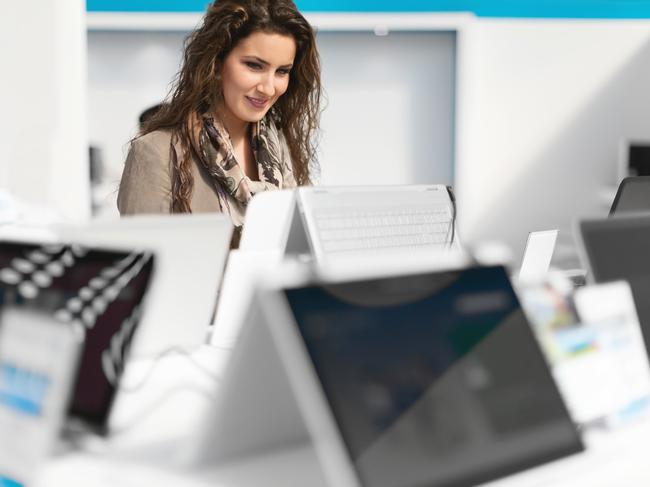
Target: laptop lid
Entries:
(99, 292)
(273, 225)
(252, 390)
(537, 254)
(617, 248)
(190, 252)
(633, 194)
(431, 379)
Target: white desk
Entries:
(156, 417)
(614, 458)
(297, 468)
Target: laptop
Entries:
(271, 225)
(190, 252)
(633, 195)
(537, 254)
(378, 220)
(422, 379)
(99, 292)
(617, 248)
(343, 230)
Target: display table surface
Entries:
(170, 397)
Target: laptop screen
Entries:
(633, 194)
(433, 379)
(618, 249)
(98, 291)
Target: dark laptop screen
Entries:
(633, 195)
(434, 380)
(98, 291)
(618, 249)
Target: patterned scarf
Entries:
(218, 158)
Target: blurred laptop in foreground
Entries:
(190, 252)
(98, 294)
(430, 378)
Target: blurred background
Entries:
(526, 108)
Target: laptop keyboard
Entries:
(344, 230)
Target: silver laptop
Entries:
(378, 220)
(424, 379)
(190, 253)
(537, 254)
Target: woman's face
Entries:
(254, 75)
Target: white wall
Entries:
(389, 118)
(542, 107)
(550, 102)
(390, 112)
(43, 125)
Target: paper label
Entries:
(37, 360)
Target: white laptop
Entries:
(273, 225)
(378, 220)
(538, 253)
(190, 253)
(423, 379)
(272, 231)
(344, 230)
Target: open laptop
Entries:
(424, 379)
(633, 195)
(99, 292)
(537, 254)
(617, 248)
(379, 220)
(344, 230)
(271, 226)
(190, 252)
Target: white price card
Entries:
(38, 356)
(623, 375)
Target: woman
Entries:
(240, 118)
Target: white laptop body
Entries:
(289, 224)
(190, 252)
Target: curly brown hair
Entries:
(197, 86)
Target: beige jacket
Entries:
(146, 185)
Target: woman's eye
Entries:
(253, 65)
(283, 72)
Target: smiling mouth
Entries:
(257, 102)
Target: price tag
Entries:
(38, 357)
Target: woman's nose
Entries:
(266, 85)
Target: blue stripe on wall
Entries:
(146, 5)
(632, 9)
